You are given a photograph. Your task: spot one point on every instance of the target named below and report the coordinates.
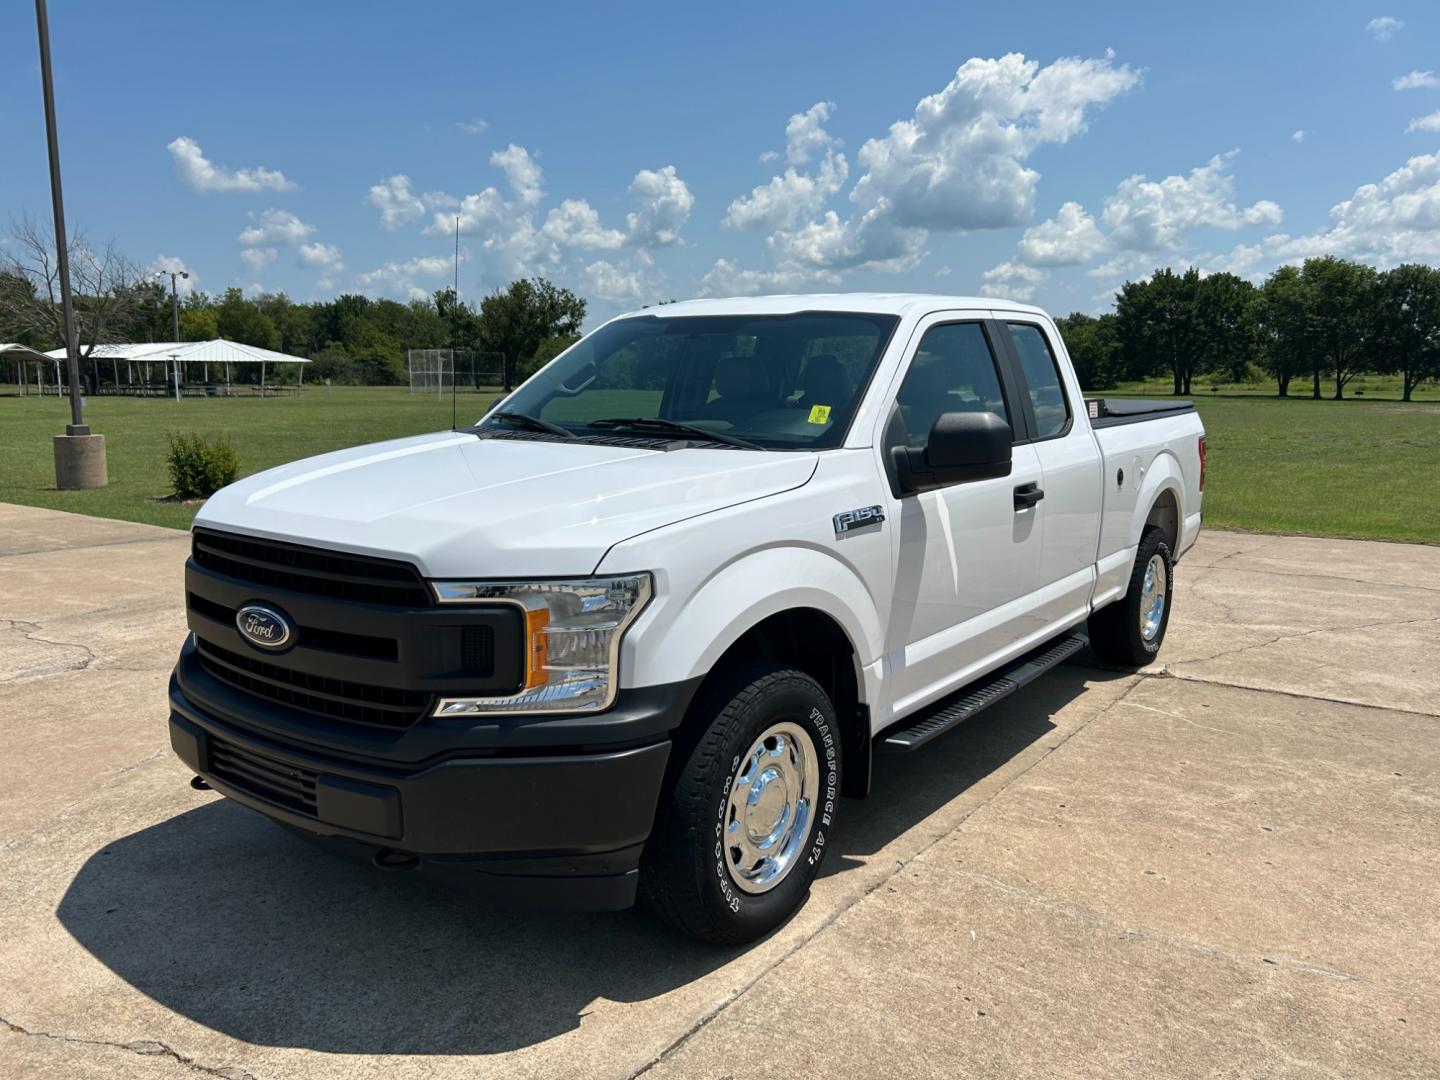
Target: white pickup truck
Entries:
(639, 629)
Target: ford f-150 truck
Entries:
(637, 631)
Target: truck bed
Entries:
(1112, 412)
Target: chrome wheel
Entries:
(1152, 598)
(771, 803)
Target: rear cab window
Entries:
(1049, 405)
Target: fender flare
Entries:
(1164, 474)
(692, 637)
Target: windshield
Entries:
(781, 382)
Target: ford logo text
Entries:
(263, 626)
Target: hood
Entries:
(459, 506)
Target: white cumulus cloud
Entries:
(396, 202)
(957, 164)
(618, 286)
(258, 258)
(276, 227)
(522, 173)
(575, 223)
(794, 194)
(200, 173)
(402, 278)
(1070, 237)
(1011, 280)
(325, 257)
(1297, 136)
(1384, 27)
(1428, 123)
(1154, 215)
(664, 202)
(1417, 80)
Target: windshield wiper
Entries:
(652, 423)
(534, 423)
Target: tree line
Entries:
(350, 339)
(1325, 322)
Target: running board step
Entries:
(960, 706)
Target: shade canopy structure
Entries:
(21, 356)
(175, 358)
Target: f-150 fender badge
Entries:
(851, 520)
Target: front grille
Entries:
(339, 699)
(276, 565)
(264, 777)
(312, 637)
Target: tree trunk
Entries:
(1187, 384)
(1177, 391)
(1315, 392)
(1284, 383)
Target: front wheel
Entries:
(744, 828)
(1130, 631)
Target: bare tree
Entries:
(106, 288)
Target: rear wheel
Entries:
(1130, 631)
(743, 831)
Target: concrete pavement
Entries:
(1224, 866)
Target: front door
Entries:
(965, 557)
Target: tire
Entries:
(689, 874)
(1118, 633)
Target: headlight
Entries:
(572, 640)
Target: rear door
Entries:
(965, 556)
(1070, 464)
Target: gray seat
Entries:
(825, 382)
(743, 387)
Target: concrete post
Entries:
(79, 462)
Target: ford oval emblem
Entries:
(263, 626)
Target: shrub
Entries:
(199, 467)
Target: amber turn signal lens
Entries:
(537, 647)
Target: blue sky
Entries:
(635, 154)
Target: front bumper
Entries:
(558, 825)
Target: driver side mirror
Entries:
(963, 447)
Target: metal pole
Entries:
(174, 308)
(77, 425)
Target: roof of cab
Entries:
(870, 303)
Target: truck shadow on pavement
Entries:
(232, 922)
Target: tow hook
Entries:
(199, 783)
(390, 859)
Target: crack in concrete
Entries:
(87, 547)
(1408, 586)
(730, 999)
(1168, 674)
(29, 631)
(142, 1047)
(1226, 653)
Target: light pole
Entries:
(79, 455)
(174, 299)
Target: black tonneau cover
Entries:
(1112, 412)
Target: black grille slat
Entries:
(363, 703)
(258, 776)
(264, 777)
(295, 568)
(477, 650)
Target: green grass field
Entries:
(1364, 468)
